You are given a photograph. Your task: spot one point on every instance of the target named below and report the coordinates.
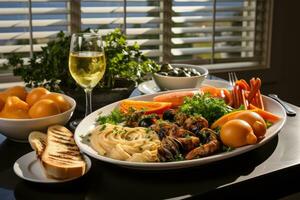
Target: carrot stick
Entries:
(255, 86)
(234, 98)
(244, 100)
(238, 103)
(260, 101)
(240, 97)
(243, 84)
(246, 84)
(265, 114)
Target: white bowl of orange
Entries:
(22, 112)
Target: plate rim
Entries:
(33, 158)
(174, 164)
(139, 87)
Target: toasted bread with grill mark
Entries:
(60, 156)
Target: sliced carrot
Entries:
(147, 106)
(265, 114)
(176, 98)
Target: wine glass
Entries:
(86, 64)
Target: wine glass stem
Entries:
(88, 101)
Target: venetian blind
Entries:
(210, 32)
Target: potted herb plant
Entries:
(125, 67)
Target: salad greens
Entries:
(206, 106)
(115, 117)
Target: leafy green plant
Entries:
(125, 61)
(49, 68)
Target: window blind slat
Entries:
(120, 9)
(182, 9)
(181, 30)
(145, 42)
(20, 48)
(41, 11)
(25, 35)
(120, 20)
(209, 39)
(40, 23)
(205, 50)
(135, 31)
(210, 18)
(26, 1)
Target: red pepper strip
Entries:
(147, 106)
(255, 86)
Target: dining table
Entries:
(270, 171)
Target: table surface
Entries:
(276, 160)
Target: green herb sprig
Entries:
(115, 117)
(208, 107)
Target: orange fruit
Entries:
(237, 133)
(18, 91)
(35, 94)
(255, 120)
(62, 103)
(17, 114)
(44, 108)
(14, 103)
(15, 108)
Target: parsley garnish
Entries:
(205, 105)
(115, 117)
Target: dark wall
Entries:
(283, 76)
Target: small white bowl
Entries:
(19, 129)
(174, 83)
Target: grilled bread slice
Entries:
(60, 156)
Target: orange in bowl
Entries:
(15, 108)
(44, 108)
(62, 103)
(19, 129)
(35, 94)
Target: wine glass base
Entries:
(73, 124)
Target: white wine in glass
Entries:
(87, 67)
(87, 64)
